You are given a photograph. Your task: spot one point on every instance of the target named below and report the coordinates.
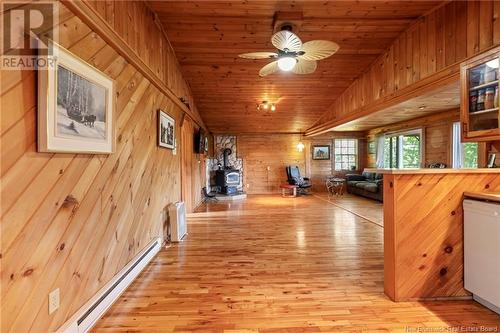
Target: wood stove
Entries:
(227, 178)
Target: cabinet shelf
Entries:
(481, 125)
(491, 83)
(483, 111)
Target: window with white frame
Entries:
(346, 154)
(464, 155)
(403, 150)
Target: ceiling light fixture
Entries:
(287, 63)
(265, 105)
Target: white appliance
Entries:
(482, 252)
(177, 218)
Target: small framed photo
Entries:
(321, 152)
(166, 130)
(371, 147)
(76, 107)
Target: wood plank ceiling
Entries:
(207, 37)
(446, 97)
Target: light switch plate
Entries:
(54, 300)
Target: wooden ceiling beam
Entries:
(445, 77)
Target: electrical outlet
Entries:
(53, 301)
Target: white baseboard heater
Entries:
(178, 226)
(87, 315)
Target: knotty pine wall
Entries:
(193, 173)
(72, 221)
(320, 169)
(138, 26)
(436, 129)
(429, 49)
(266, 156)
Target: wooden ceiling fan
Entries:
(292, 55)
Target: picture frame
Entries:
(166, 130)
(321, 152)
(76, 107)
(372, 147)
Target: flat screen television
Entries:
(199, 142)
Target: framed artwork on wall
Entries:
(321, 152)
(166, 130)
(372, 147)
(76, 107)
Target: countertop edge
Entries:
(493, 196)
(432, 171)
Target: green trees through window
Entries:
(470, 155)
(465, 154)
(411, 151)
(403, 151)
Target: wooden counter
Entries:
(423, 229)
(491, 196)
(433, 171)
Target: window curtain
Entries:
(380, 151)
(457, 147)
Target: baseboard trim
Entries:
(86, 317)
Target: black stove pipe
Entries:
(226, 153)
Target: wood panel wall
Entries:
(193, 173)
(265, 158)
(437, 130)
(139, 27)
(72, 221)
(319, 170)
(426, 52)
(423, 232)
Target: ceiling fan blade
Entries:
(305, 66)
(269, 69)
(286, 40)
(318, 49)
(259, 55)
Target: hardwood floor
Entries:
(368, 209)
(272, 264)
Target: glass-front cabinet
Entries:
(480, 97)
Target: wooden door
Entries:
(192, 167)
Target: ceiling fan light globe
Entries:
(287, 63)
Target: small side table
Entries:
(292, 190)
(335, 186)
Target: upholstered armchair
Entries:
(294, 178)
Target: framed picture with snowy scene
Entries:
(166, 130)
(76, 107)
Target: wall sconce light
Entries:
(300, 145)
(265, 105)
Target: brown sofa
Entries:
(368, 185)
